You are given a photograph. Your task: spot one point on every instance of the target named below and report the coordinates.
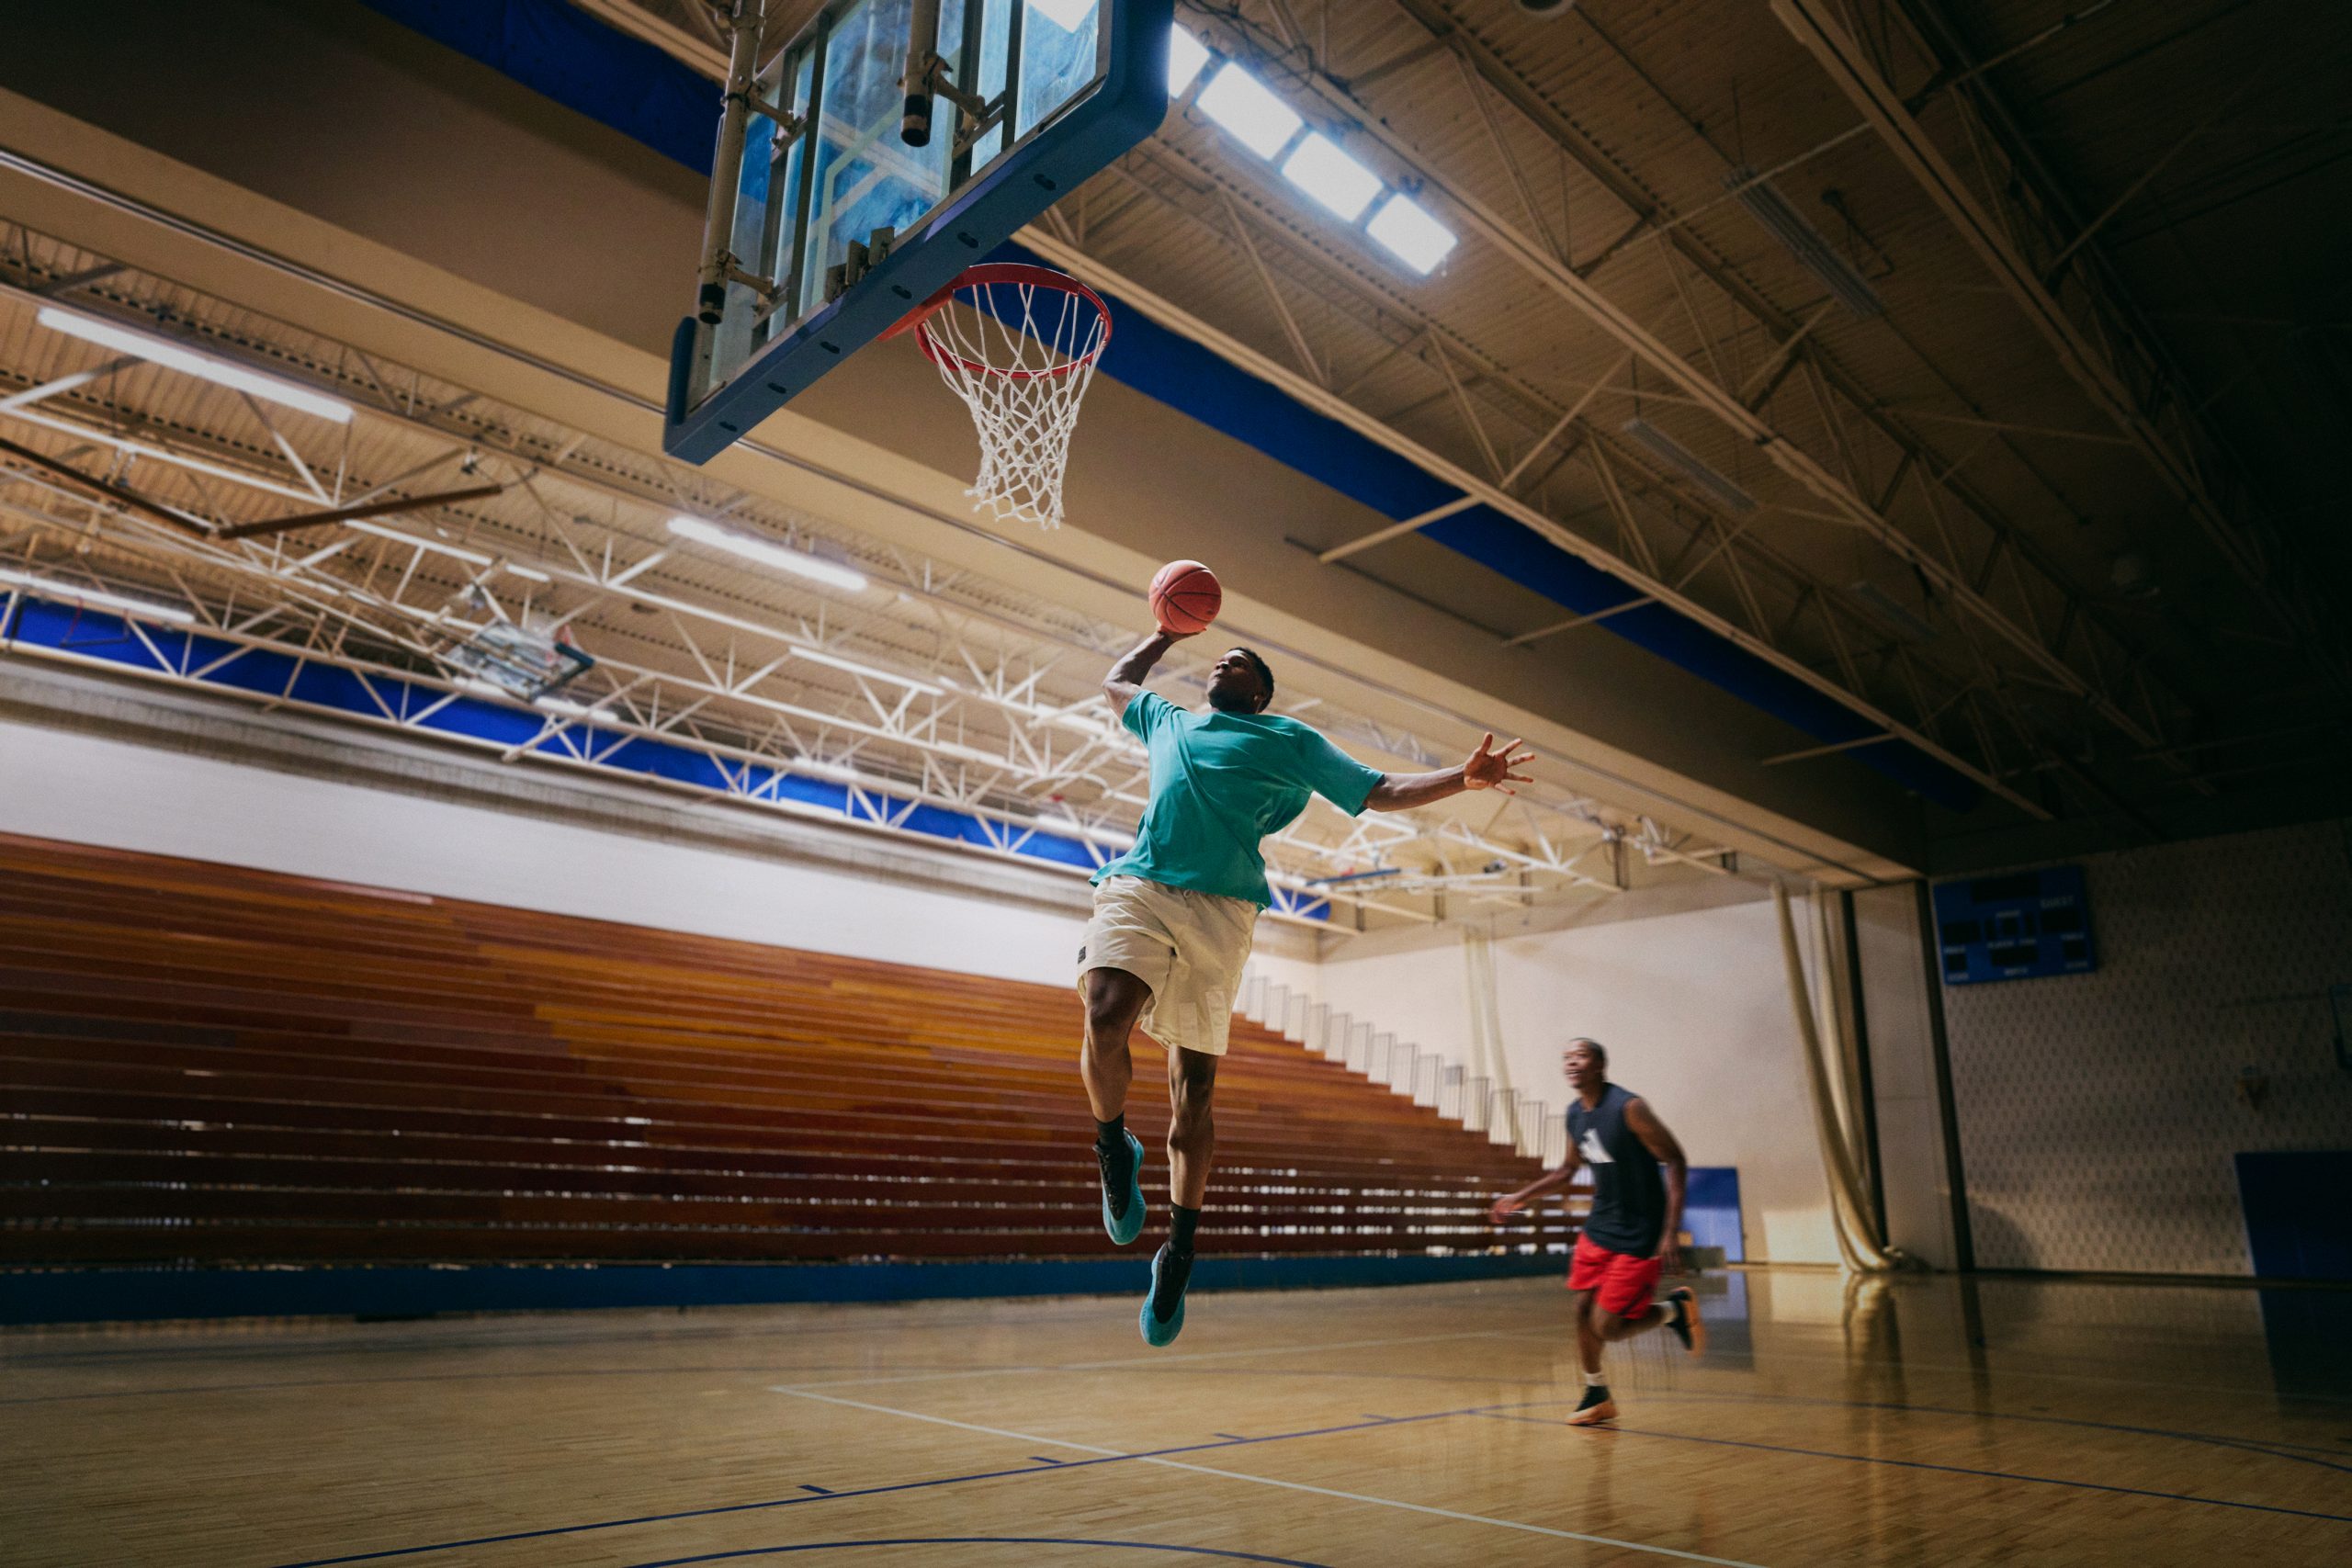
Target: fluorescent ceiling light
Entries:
(1675, 454)
(1065, 15)
(838, 662)
(164, 352)
(1324, 171)
(768, 553)
(1418, 239)
(1186, 55)
(1250, 110)
(99, 596)
(1785, 223)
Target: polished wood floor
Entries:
(1925, 1422)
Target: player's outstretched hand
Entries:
(1504, 1208)
(1670, 1257)
(1490, 769)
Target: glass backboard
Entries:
(828, 220)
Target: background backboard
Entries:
(826, 226)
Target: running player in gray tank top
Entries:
(1633, 1234)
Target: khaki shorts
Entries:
(1188, 947)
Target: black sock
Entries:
(1111, 1134)
(1175, 1273)
(1180, 1228)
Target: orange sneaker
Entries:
(1596, 1407)
(1686, 1325)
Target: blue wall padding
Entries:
(1711, 1210)
(636, 89)
(94, 1296)
(2298, 1209)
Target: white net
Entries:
(1020, 351)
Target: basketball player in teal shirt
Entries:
(1173, 916)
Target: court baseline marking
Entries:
(1160, 1459)
(1503, 1414)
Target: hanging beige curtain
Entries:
(1486, 1009)
(1835, 1117)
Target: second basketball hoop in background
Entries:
(1018, 345)
(1185, 596)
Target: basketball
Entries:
(1185, 596)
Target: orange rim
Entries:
(1020, 274)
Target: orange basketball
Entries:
(1185, 596)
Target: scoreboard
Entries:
(2016, 926)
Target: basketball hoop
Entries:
(1019, 345)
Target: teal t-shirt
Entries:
(1220, 782)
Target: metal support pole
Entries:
(719, 260)
(922, 60)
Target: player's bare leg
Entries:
(1192, 1142)
(1113, 1000)
(1596, 1406)
(1192, 1126)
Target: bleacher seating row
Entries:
(203, 1063)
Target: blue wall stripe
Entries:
(94, 634)
(636, 90)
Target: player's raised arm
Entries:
(1485, 768)
(1126, 677)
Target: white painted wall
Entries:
(87, 789)
(2099, 1113)
(1694, 1009)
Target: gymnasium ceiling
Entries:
(2059, 513)
(2055, 515)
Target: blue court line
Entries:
(862, 1492)
(819, 1491)
(1923, 1464)
(983, 1540)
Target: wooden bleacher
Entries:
(201, 1063)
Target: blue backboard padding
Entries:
(94, 634)
(609, 77)
(2298, 1206)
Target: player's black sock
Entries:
(1113, 1153)
(1175, 1261)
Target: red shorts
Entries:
(1621, 1282)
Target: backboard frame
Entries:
(706, 412)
